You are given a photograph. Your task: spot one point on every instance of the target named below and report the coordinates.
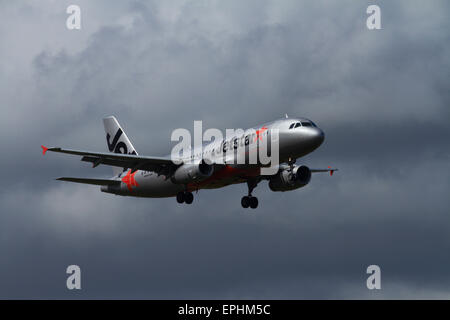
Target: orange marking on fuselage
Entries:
(225, 173)
(129, 180)
(259, 133)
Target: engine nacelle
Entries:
(192, 172)
(285, 180)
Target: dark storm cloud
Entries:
(381, 97)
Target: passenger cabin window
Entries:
(306, 124)
(297, 124)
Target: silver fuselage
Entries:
(293, 143)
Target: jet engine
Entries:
(286, 180)
(192, 172)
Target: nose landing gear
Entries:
(250, 201)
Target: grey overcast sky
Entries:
(382, 97)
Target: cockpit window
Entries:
(297, 125)
(306, 124)
(291, 126)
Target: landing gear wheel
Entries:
(188, 197)
(180, 197)
(253, 202)
(250, 201)
(245, 202)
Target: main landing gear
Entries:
(186, 197)
(250, 201)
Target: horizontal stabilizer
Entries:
(98, 182)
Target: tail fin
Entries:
(117, 139)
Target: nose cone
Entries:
(317, 137)
(312, 137)
(299, 141)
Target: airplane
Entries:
(158, 177)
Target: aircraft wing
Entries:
(330, 170)
(98, 182)
(135, 162)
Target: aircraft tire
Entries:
(188, 197)
(245, 202)
(253, 202)
(180, 197)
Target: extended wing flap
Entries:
(121, 163)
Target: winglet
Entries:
(44, 149)
(331, 171)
